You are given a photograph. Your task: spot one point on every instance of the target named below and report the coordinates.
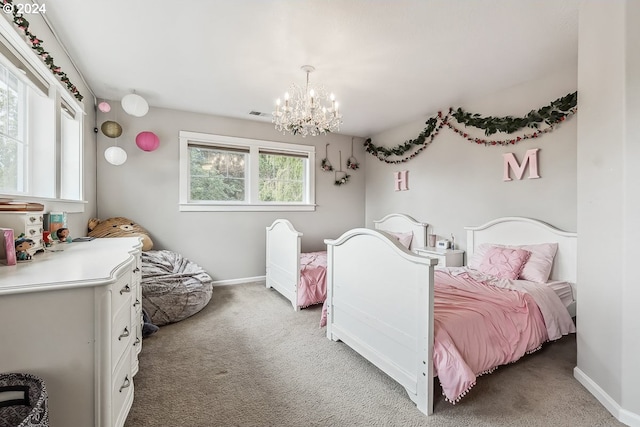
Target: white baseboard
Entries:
(621, 414)
(239, 281)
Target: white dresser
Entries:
(73, 318)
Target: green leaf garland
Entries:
(36, 44)
(551, 115)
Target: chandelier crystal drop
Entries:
(308, 110)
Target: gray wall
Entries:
(609, 206)
(229, 245)
(455, 183)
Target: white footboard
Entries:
(283, 259)
(380, 300)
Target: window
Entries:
(13, 147)
(40, 130)
(227, 173)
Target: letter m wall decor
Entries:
(510, 162)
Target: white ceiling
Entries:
(388, 62)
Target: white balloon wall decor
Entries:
(115, 155)
(135, 105)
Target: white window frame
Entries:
(58, 93)
(254, 146)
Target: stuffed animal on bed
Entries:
(119, 227)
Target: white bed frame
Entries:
(283, 259)
(283, 250)
(401, 223)
(380, 295)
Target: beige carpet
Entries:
(247, 359)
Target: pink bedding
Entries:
(482, 322)
(313, 278)
(478, 327)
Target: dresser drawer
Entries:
(122, 391)
(34, 219)
(122, 293)
(122, 334)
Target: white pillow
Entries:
(537, 268)
(404, 238)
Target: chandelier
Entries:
(307, 111)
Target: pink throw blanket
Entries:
(313, 278)
(478, 327)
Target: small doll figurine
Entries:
(22, 246)
(47, 239)
(63, 235)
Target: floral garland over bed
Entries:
(551, 115)
(36, 44)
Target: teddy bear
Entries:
(119, 227)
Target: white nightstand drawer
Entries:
(446, 257)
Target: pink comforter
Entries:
(313, 278)
(481, 322)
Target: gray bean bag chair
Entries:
(173, 288)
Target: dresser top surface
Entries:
(76, 264)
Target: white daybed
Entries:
(283, 254)
(380, 297)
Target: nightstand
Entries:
(446, 257)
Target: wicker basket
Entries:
(23, 401)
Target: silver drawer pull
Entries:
(136, 303)
(125, 384)
(125, 289)
(137, 341)
(124, 334)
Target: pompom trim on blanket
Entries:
(488, 371)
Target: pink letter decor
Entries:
(401, 180)
(510, 162)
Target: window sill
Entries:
(210, 207)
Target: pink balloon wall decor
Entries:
(147, 141)
(104, 107)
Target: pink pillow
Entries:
(537, 268)
(504, 262)
(404, 238)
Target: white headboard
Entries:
(398, 222)
(526, 231)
